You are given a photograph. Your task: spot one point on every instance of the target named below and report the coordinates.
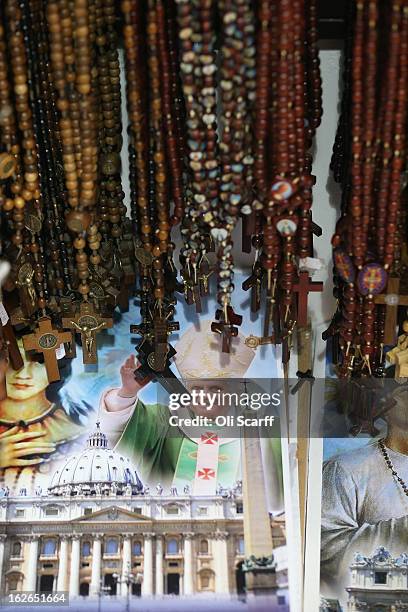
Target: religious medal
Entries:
(344, 266)
(371, 279)
(283, 189)
(7, 165)
(286, 226)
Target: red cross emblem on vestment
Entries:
(209, 438)
(206, 474)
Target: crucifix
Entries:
(254, 282)
(46, 340)
(88, 323)
(205, 271)
(225, 326)
(391, 299)
(28, 296)
(303, 287)
(154, 350)
(192, 285)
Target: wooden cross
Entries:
(88, 323)
(154, 350)
(303, 287)
(27, 292)
(46, 340)
(225, 326)
(192, 294)
(391, 300)
(192, 285)
(254, 282)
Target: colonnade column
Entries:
(147, 586)
(188, 564)
(31, 579)
(96, 565)
(159, 565)
(3, 538)
(62, 564)
(74, 567)
(126, 563)
(221, 558)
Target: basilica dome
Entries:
(96, 470)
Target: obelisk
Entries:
(259, 565)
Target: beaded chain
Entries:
(64, 224)
(223, 99)
(391, 467)
(369, 156)
(287, 113)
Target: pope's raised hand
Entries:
(130, 387)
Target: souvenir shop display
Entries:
(212, 142)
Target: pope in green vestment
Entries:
(176, 458)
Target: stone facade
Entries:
(150, 544)
(379, 583)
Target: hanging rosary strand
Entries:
(369, 164)
(222, 105)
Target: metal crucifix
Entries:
(87, 322)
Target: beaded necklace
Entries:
(287, 112)
(390, 466)
(369, 166)
(156, 167)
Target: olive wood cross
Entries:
(46, 340)
(225, 326)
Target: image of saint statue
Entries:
(365, 498)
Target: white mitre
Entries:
(199, 354)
